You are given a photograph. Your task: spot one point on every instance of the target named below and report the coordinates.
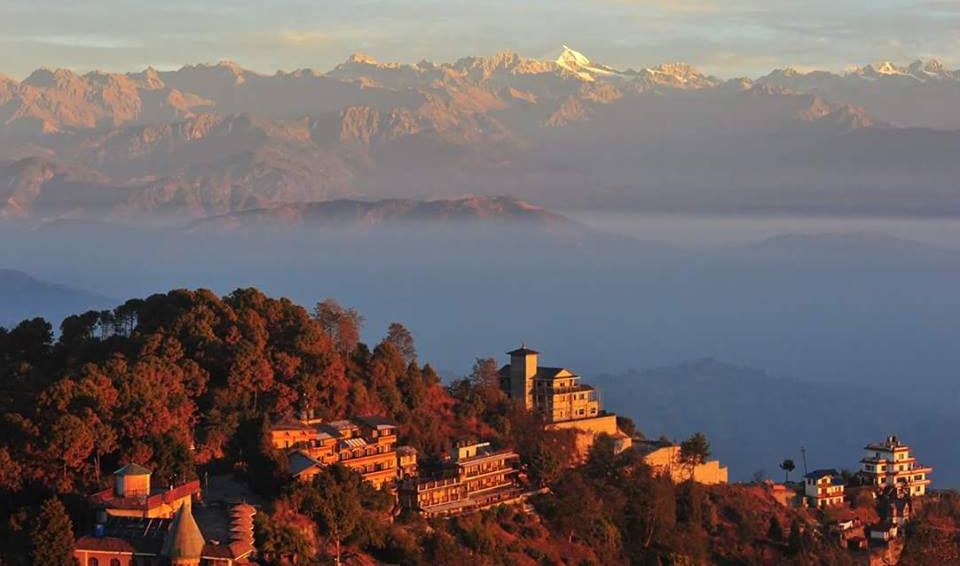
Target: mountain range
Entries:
(23, 296)
(210, 140)
(503, 211)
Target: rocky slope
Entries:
(921, 94)
(208, 140)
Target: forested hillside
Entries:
(186, 382)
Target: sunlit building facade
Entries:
(891, 464)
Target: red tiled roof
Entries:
(240, 549)
(104, 544)
(211, 550)
(108, 499)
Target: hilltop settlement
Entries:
(265, 435)
(138, 524)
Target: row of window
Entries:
(379, 466)
(138, 561)
(897, 456)
(369, 451)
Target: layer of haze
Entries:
(859, 319)
(728, 38)
(698, 231)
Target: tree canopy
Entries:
(52, 536)
(190, 379)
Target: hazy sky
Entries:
(725, 37)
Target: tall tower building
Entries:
(523, 370)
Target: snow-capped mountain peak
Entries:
(577, 63)
(680, 72)
(919, 70)
(886, 68)
(362, 58)
(928, 69)
(572, 59)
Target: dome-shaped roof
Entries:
(184, 539)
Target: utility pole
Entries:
(803, 452)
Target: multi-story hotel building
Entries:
(891, 464)
(474, 476)
(365, 444)
(558, 394)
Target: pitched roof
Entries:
(290, 423)
(375, 421)
(132, 470)
(337, 428)
(222, 551)
(817, 474)
(522, 351)
(298, 462)
(184, 539)
(104, 544)
(553, 373)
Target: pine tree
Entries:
(334, 498)
(400, 337)
(796, 538)
(693, 452)
(775, 532)
(52, 539)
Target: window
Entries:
(115, 562)
(93, 562)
